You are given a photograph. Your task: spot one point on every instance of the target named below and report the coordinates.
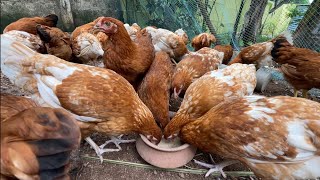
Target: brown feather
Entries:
(154, 90)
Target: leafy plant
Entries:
(294, 12)
(270, 28)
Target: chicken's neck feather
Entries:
(182, 80)
(122, 42)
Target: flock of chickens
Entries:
(277, 137)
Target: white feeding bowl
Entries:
(167, 154)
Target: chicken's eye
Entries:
(108, 23)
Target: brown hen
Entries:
(277, 137)
(100, 99)
(193, 66)
(57, 42)
(36, 143)
(227, 50)
(203, 40)
(300, 66)
(129, 59)
(154, 90)
(29, 24)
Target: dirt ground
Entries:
(85, 165)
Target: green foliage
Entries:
(270, 28)
(294, 12)
(263, 38)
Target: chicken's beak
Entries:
(171, 137)
(153, 140)
(96, 26)
(98, 23)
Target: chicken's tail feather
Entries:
(283, 40)
(13, 56)
(53, 18)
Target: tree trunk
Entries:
(307, 34)
(253, 20)
(235, 27)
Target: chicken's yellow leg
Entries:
(295, 92)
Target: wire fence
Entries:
(307, 33)
(236, 22)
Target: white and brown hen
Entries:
(167, 41)
(100, 99)
(211, 89)
(193, 66)
(86, 44)
(277, 137)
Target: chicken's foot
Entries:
(99, 151)
(217, 167)
(174, 61)
(117, 141)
